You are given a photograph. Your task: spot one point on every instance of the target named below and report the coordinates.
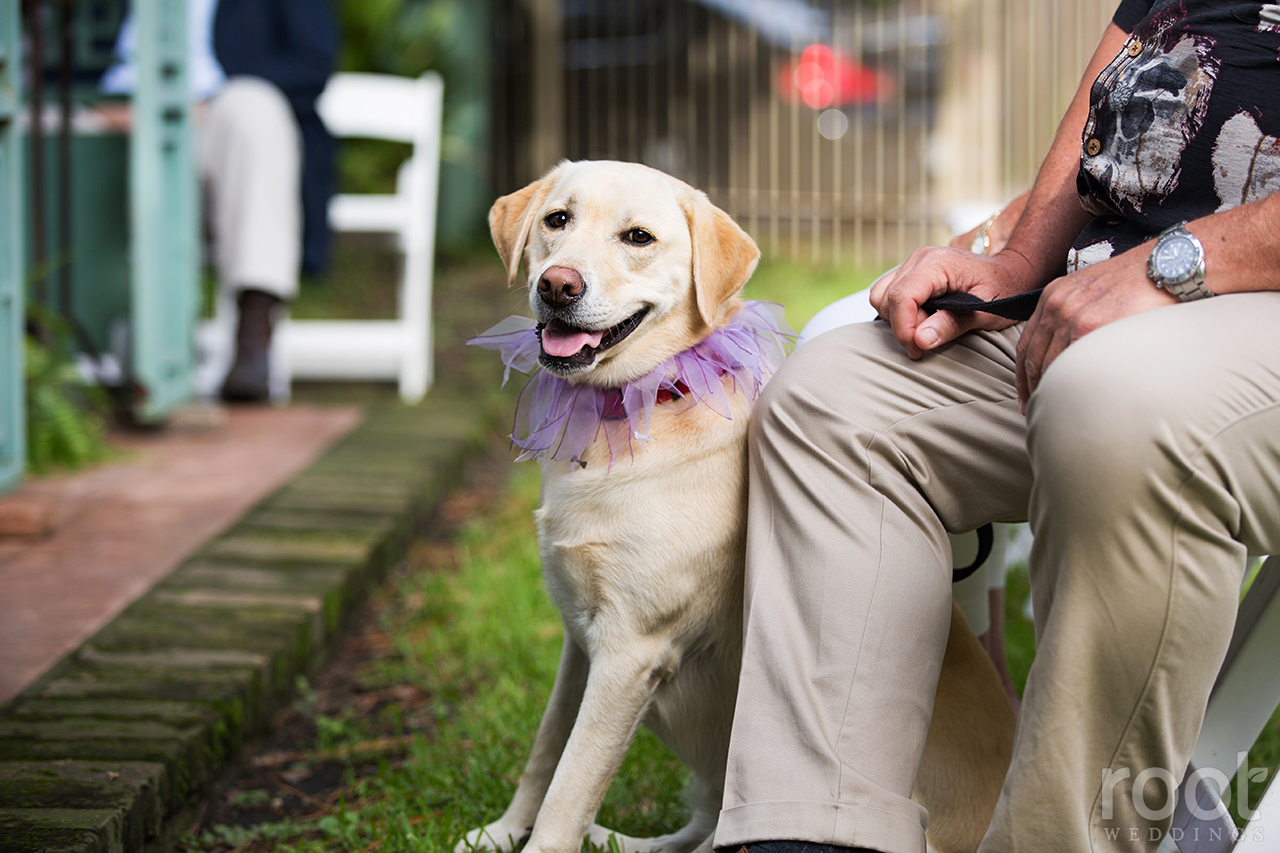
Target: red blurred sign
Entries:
(821, 77)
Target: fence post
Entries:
(163, 212)
(547, 145)
(12, 394)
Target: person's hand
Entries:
(1076, 304)
(934, 271)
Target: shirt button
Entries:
(1093, 146)
(1134, 48)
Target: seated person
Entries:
(257, 68)
(1134, 419)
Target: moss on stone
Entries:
(343, 502)
(134, 789)
(61, 830)
(161, 622)
(190, 755)
(162, 710)
(257, 577)
(291, 549)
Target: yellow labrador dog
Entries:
(641, 525)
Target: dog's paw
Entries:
(495, 836)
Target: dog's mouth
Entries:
(567, 348)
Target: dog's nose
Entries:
(560, 286)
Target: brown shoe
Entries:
(248, 381)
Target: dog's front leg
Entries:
(557, 722)
(620, 686)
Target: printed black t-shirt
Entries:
(1185, 121)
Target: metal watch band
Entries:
(1190, 290)
(1190, 287)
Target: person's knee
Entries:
(252, 107)
(1102, 423)
(804, 398)
(776, 404)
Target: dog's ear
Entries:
(511, 220)
(724, 256)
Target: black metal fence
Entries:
(843, 130)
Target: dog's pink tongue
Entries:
(562, 341)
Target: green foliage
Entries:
(252, 797)
(407, 38)
(342, 730)
(398, 36)
(1259, 770)
(1019, 633)
(224, 837)
(65, 424)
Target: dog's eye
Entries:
(556, 220)
(638, 237)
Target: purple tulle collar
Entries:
(561, 419)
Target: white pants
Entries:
(250, 158)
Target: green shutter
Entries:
(12, 418)
(164, 209)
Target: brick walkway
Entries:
(112, 748)
(123, 526)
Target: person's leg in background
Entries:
(251, 161)
(1155, 444)
(861, 461)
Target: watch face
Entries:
(1176, 258)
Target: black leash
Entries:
(1019, 307)
(986, 539)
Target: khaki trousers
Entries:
(1148, 466)
(250, 156)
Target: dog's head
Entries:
(627, 266)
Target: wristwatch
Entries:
(1177, 264)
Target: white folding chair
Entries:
(380, 106)
(372, 106)
(1245, 695)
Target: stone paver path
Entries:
(111, 749)
(123, 526)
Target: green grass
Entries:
(360, 283)
(1019, 633)
(486, 644)
(803, 289)
(476, 631)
